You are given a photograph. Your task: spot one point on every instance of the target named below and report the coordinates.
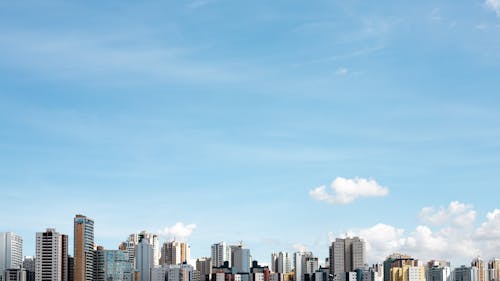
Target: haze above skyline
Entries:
(282, 124)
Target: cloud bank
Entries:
(450, 233)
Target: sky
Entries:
(282, 124)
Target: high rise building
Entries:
(281, 262)
(51, 262)
(113, 265)
(144, 259)
(397, 260)
(173, 272)
(65, 257)
(494, 269)
(83, 248)
(464, 273)
(438, 271)
(153, 240)
(221, 253)
(346, 255)
(204, 266)
(241, 260)
(373, 273)
(408, 273)
(29, 265)
(71, 268)
(175, 252)
(311, 265)
(274, 262)
(299, 260)
(481, 273)
(11, 251)
(129, 246)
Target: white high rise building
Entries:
(11, 251)
(300, 264)
(144, 259)
(153, 240)
(221, 253)
(281, 262)
(51, 252)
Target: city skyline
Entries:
(92, 262)
(184, 246)
(282, 124)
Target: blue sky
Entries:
(226, 114)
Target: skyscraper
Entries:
(221, 253)
(438, 273)
(408, 273)
(481, 273)
(153, 240)
(204, 266)
(464, 273)
(144, 259)
(83, 248)
(175, 252)
(51, 262)
(494, 269)
(112, 265)
(281, 262)
(397, 260)
(300, 264)
(29, 265)
(11, 251)
(346, 255)
(129, 246)
(241, 260)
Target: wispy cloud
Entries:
(108, 59)
(343, 56)
(342, 71)
(494, 5)
(345, 191)
(198, 4)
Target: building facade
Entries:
(144, 259)
(113, 265)
(346, 255)
(221, 253)
(175, 252)
(11, 251)
(51, 261)
(83, 248)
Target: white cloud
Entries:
(179, 231)
(490, 229)
(447, 233)
(458, 214)
(494, 5)
(345, 191)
